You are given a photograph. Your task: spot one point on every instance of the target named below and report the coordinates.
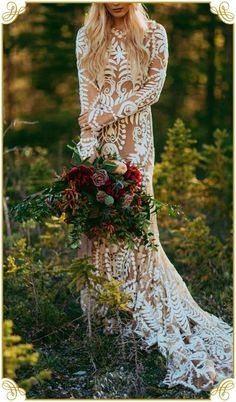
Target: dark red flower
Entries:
(121, 192)
(110, 190)
(108, 182)
(115, 193)
(81, 175)
(133, 173)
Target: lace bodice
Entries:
(123, 104)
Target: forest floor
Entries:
(95, 368)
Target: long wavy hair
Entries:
(98, 23)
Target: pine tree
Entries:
(216, 162)
(175, 180)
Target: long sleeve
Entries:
(149, 93)
(89, 95)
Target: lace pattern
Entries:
(196, 344)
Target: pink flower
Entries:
(100, 177)
(101, 195)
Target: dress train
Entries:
(197, 345)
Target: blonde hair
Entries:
(98, 24)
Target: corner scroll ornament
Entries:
(10, 391)
(225, 391)
(224, 9)
(11, 10)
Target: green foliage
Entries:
(33, 286)
(216, 162)
(103, 290)
(38, 378)
(203, 254)
(80, 272)
(199, 242)
(26, 170)
(113, 296)
(174, 177)
(199, 182)
(16, 354)
(38, 206)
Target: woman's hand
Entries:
(102, 119)
(86, 132)
(86, 135)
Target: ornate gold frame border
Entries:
(9, 391)
(224, 9)
(9, 11)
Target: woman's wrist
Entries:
(87, 146)
(101, 116)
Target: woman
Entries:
(122, 59)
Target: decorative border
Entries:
(12, 10)
(9, 391)
(222, 391)
(224, 9)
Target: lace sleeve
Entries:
(89, 96)
(150, 91)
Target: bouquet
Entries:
(101, 199)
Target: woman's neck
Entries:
(118, 23)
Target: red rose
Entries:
(115, 193)
(109, 188)
(110, 191)
(133, 173)
(81, 175)
(109, 182)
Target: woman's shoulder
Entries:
(81, 32)
(154, 26)
(81, 39)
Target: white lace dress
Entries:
(196, 344)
